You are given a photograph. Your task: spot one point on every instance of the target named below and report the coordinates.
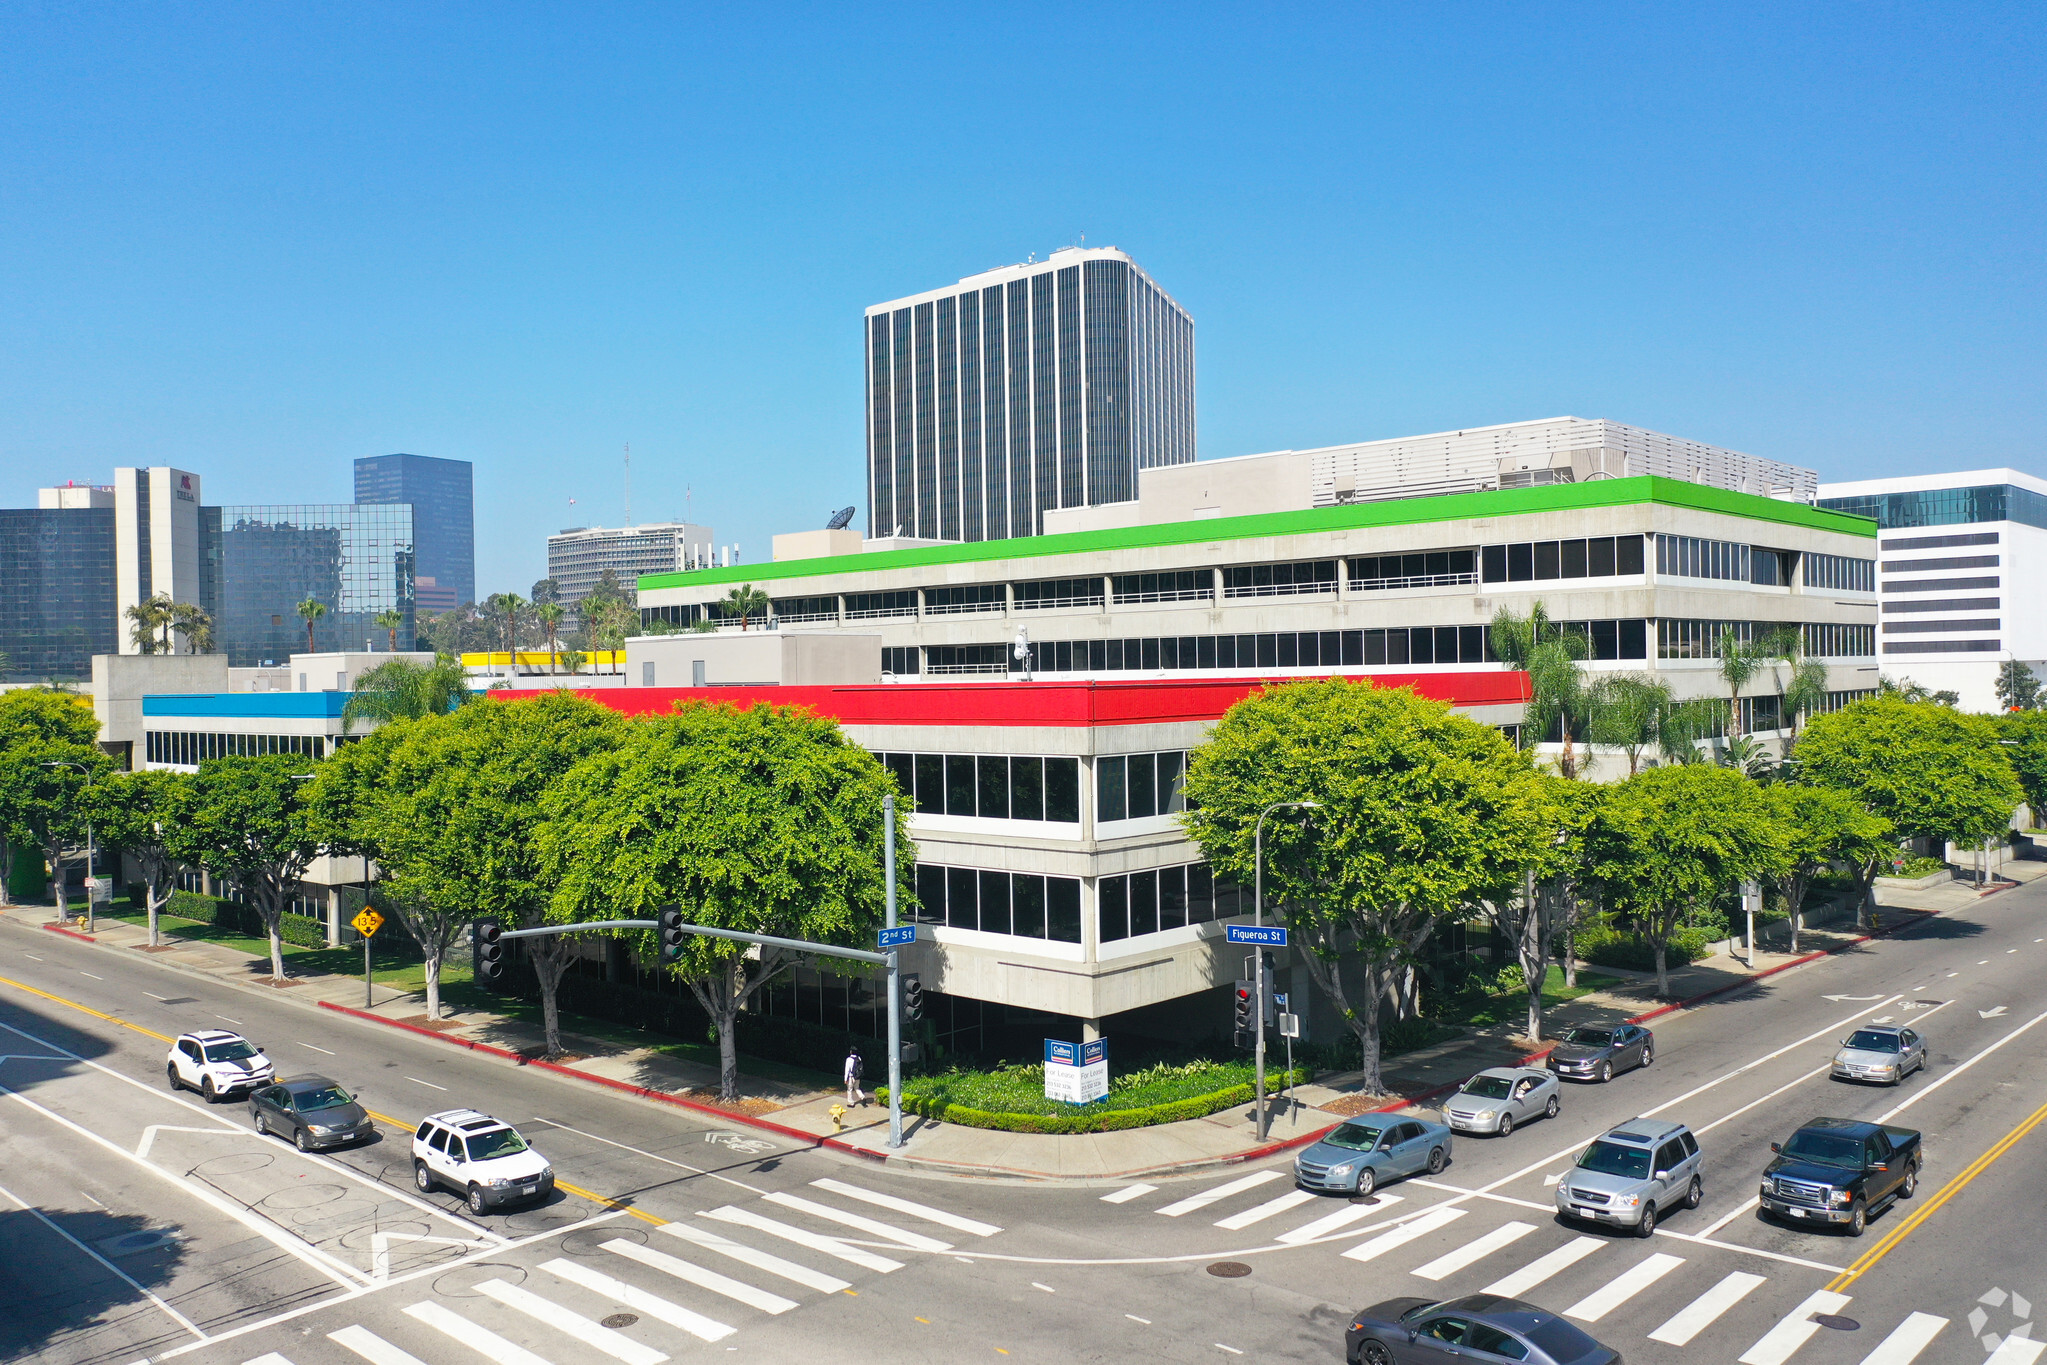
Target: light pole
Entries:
(895, 979)
(1258, 958)
(89, 881)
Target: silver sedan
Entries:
(1496, 1099)
(1886, 1054)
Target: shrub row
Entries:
(1091, 1120)
(1609, 947)
(300, 931)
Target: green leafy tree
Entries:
(1425, 815)
(310, 610)
(1804, 687)
(1627, 713)
(193, 623)
(1928, 769)
(544, 591)
(389, 622)
(744, 602)
(1559, 699)
(33, 719)
(2018, 689)
(614, 621)
(1822, 826)
(508, 609)
(149, 624)
(138, 813)
(2023, 736)
(1669, 841)
(766, 820)
(1685, 726)
(1548, 903)
(1904, 689)
(400, 689)
(246, 822)
(43, 785)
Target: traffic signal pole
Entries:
(895, 979)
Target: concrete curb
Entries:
(71, 933)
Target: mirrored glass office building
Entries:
(1036, 386)
(443, 498)
(57, 606)
(258, 563)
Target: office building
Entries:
(1020, 390)
(579, 555)
(443, 497)
(57, 585)
(1956, 552)
(356, 559)
(157, 543)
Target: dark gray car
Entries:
(1479, 1327)
(312, 1111)
(1596, 1054)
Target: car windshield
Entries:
(1561, 1341)
(1589, 1037)
(1828, 1149)
(1869, 1040)
(237, 1051)
(1359, 1137)
(1610, 1158)
(1421, 1308)
(326, 1097)
(487, 1146)
(1489, 1087)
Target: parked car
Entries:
(1840, 1172)
(215, 1063)
(1884, 1053)
(1360, 1155)
(1496, 1099)
(312, 1111)
(1479, 1327)
(1595, 1054)
(1629, 1176)
(480, 1158)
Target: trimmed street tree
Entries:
(2018, 688)
(137, 813)
(43, 786)
(1822, 826)
(766, 820)
(1546, 907)
(1425, 814)
(2024, 736)
(32, 718)
(245, 821)
(1671, 840)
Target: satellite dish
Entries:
(840, 519)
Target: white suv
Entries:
(215, 1063)
(475, 1155)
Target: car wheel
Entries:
(1911, 1185)
(262, 1125)
(1858, 1218)
(298, 1140)
(1375, 1353)
(1648, 1054)
(1368, 1180)
(1605, 1072)
(1696, 1195)
(1647, 1227)
(1506, 1125)
(1436, 1160)
(477, 1205)
(422, 1177)
(207, 1092)
(170, 1074)
(1550, 1110)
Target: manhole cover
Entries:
(129, 1243)
(1229, 1270)
(1837, 1322)
(620, 1320)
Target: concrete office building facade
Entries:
(157, 543)
(578, 556)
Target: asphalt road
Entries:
(139, 1224)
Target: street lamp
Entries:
(90, 882)
(1258, 958)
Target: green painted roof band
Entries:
(1503, 502)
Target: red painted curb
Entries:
(1920, 917)
(71, 933)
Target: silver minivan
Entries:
(1632, 1175)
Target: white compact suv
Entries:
(479, 1158)
(215, 1063)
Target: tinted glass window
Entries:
(995, 916)
(1062, 909)
(1560, 1341)
(1143, 785)
(1027, 904)
(959, 784)
(961, 904)
(1446, 1329)
(504, 1142)
(1027, 787)
(1669, 1156)
(1484, 1338)
(930, 784)
(1062, 790)
(237, 1051)
(1360, 1137)
(1869, 1040)
(439, 1141)
(1111, 802)
(326, 1097)
(1691, 1144)
(992, 780)
(1610, 1158)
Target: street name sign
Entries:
(1264, 935)
(896, 938)
(367, 922)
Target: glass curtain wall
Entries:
(355, 559)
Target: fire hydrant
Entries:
(838, 1113)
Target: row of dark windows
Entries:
(1019, 903)
(899, 659)
(1699, 557)
(1691, 639)
(1431, 564)
(1138, 903)
(1841, 573)
(1947, 506)
(1612, 639)
(1133, 786)
(1594, 557)
(989, 786)
(1944, 604)
(1059, 592)
(1941, 647)
(1942, 542)
(1275, 580)
(1938, 565)
(1944, 626)
(193, 747)
(1944, 584)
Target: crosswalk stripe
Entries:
(1793, 1329)
(1210, 1196)
(371, 1347)
(1402, 1235)
(915, 1210)
(1342, 1218)
(640, 1301)
(759, 1260)
(1127, 1193)
(700, 1277)
(1623, 1287)
(1239, 1221)
(1706, 1309)
(916, 1241)
(615, 1344)
(1543, 1267)
(1450, 1263)
(2016, 1351)
(816, 1241)
(477, 1338)
(268, 1358)
(1906, 1340)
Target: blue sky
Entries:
(258, 241)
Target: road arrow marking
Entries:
(1549, 1180)
(1851, 997)
(1991, 1014)
(380, 1249)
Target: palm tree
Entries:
(400, 689)
(311, 610)
(390, 620)
(610, 624)
(1558, 697)
(507, 606)
(1741, 660)
(151, 622)
(550, 614)
(195, 625)
(1685, 725)
(1627, 713)
(745, 601)
(1805, 691)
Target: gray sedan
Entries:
(1595, 1054)
(1879, 1053)
(1359, 1155)
(1495, 1100)
(312, 1111)
(1480, 1327)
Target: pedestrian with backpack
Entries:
(854, 1066)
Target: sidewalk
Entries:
(1222, 1139)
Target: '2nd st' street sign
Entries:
(1264, 935)
(896, 938)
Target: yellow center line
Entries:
(1868, 1259)
(86, 1009)
(559, 1183)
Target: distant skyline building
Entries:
(57, 585)
(578, 556)
(1043, 385)
(443, 497)
(260, 562)
(157, 550)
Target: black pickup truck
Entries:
(1840, 1171)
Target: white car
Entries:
(215, 1063)
(481, 1159)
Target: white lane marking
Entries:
(154, 996)
(1134, 1318)
(27, 954)
(149, 1135)
(1236, 1222)
(1125, 1195)
(1342, 1218)
(759, 1260)
(915, 1210)
(96, 978)
(268, 1358)
(316, 1049)
(1231, 1349)
(1706, 1309)
(1955, 1071)
(1393, 1238)
(236, 1022)
(816, 1241)
(615, 1344)
(1794, 1329)
(1984, 963)
(1046, 1287)
(174, 1314)
(478, 1338)
(640, 1301)
(1623, 1287)
(372, 1347)
(737, 1290)
(428, 1084)
(666, 1161)
(1737, 1211)
(2008, 952)
(2017, 1351)
(1792, 1084)
(1543, 1267)
(1954, 973)
(1448, 1264)
(916, 1241)
(1907, 1339)
(1224, 1191)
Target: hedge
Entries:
(301, 931)
(1608, 947)
(1092, 1121)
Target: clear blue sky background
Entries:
(257, 241)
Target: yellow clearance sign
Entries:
(367, 923)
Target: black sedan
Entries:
(312, 1111)
(1479, 1327)
(1595, 1054)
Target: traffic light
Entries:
(672, 933)
(913, 998)
(1246, 1003)
(1267, 966)
(486, 938)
